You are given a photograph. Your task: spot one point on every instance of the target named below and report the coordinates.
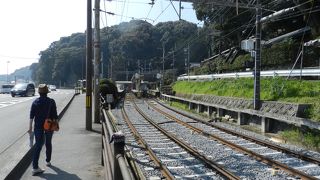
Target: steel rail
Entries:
(138, 174)
(252, 139)
(257, 156)
(164, 170)
(220, 169)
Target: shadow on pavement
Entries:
(60, 174)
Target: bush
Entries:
(307, 138)
(106, 86)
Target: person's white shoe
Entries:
(48, 164)
(37, 171)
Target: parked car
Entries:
(6, 88)
(23, 89)
(52, 88)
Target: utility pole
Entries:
(101, 74)
(163, 52)
(97, 58)
(173, 72)
(8, 72)
(89, 67)
(180, 10)
(188, 62)
(139, 70)
(162, 74)
(301, 62)
(111, 70)
(256, 102)
(127, 73)
(172, 59)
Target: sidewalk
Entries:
(76, 152)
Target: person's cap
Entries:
(43, 88)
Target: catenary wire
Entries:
(161, 13)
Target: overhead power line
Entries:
(131, 17)
(153, 2)
(250, 24)
(161, 13)
(124, 5)
(131, 2)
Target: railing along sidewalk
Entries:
(113, 143)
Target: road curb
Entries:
(24, 163)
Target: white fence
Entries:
(272, 73)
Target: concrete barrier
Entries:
(241, 110)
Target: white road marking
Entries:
(14, 101)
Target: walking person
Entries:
(42, 108)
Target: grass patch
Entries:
(180, 106)
(272, 89)
(308, 139)
(185, 107)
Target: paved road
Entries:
(14, 113)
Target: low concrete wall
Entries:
(280, 108)
(242, 111)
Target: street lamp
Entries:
(8, 71)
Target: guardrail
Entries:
(77, 90)
(113, 143)
(273, 73)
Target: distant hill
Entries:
(21, 75)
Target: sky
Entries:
(30, 26)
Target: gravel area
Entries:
(236, 128)
(180, 163)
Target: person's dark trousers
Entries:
(41, 136)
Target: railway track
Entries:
(168, 156)
(301, 166)
(303, 155)
(268, 144)
(238, 155)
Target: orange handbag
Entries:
(50, 124)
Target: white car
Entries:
(6, 88)
(52, 88)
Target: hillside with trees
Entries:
(138, 46)
(128, 47)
